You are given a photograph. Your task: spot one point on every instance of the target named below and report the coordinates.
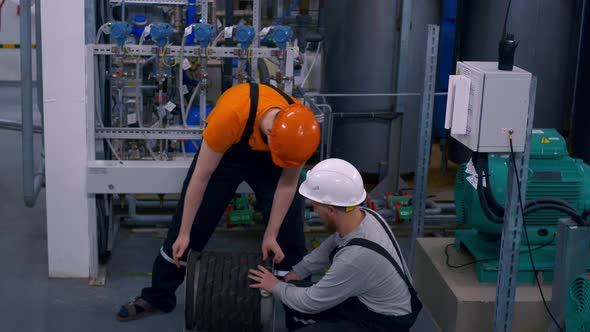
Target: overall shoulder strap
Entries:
(249, 129)
(381, 251)
(288, 98)
(386, 229)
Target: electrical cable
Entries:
(549, 200)
(547, 206)
(496, 207)
(513, 162)
(483, 200)
(495, 212)
(491, 258)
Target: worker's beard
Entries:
(329, 226)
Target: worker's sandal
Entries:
(136, 309)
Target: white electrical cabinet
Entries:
(485, 104)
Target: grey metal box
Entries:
(498, 102)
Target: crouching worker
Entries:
(367, 287)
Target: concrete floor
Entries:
(30, 301)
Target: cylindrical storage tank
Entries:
(360, 57)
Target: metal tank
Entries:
(360, 57)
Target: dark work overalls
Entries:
(352, 314)
(239, 163)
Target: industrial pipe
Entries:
(432, 208)
(227, 63)
(144, 219)
(39, 58)
(31, 181)
(17, 126)
(389, 94)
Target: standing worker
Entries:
(258, 134)
(367, 287)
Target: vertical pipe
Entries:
(123, 11)
(322, 17)
(26, 99)
(227, 62)
(404, 53)
(39, 59)
(256, 23)
(214, 15)
(191, 18)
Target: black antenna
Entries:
(507, 47)
(506, 19)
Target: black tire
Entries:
(191, 292)
(219, 298)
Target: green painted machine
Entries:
(552, 174)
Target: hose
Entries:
(494, 205)
(546, 206)
(495, 212)
(483, 200)
(263, 71)
(216, 40)
(549, 200)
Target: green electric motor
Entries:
(552, 173)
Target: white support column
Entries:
(71, 212)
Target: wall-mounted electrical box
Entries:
(485, 104)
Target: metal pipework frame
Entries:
(194, 51)
(130, 176)
(326, 119)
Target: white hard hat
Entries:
(334, 182)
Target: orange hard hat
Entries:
(294, 137)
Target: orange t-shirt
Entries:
(228, 119)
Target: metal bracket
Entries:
(149, 133)
(205, 12)
(256, 13)
(512, 231)
(189, 51)
(424, 139)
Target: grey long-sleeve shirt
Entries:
(355, 271)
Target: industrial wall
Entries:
(548, 34)
(581, 116)
(9, 34)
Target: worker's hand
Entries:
(270, 245)
(264, 279)
(291, 276)
(179, 247)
